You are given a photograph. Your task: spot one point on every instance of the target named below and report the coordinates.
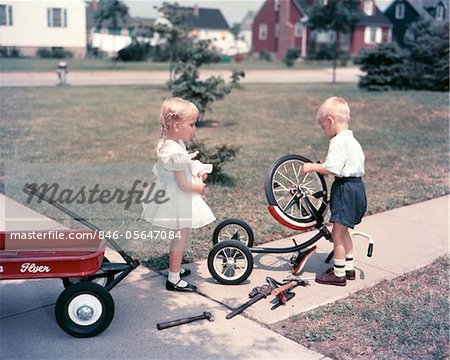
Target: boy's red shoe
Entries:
(331, 279)
(349, 274)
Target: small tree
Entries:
(340, 16)
(187, 83)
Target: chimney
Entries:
(196, 10)
(286, 29)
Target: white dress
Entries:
(183, 209)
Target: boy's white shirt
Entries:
(345, 156)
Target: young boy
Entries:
(345, 160)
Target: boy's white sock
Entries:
(349, 262)
(339, 267)
(174, 278)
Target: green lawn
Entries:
(404, 135)
(36, 65)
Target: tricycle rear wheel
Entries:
(230, 262)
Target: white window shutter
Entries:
(367, 35)
(378, 35)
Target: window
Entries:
(6, 18)
(56, 17)
(277, 30)
(262, 32)
(440, 12)
(400, 11)
(368, 7)
(298, 29)
(276, 5)
(373, 35)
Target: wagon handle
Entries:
(29, 190)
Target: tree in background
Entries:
(175, 32)
(112, 11)
(340, 16)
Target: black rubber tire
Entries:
(110, 277)
(73, 293)
(269, 188)
(229, 248)
(237, 222)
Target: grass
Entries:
(39, 65)
(405, 318)
(108, 133)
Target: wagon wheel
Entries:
(102, 280)
(230, 262)
(84, 309)
(287, 187)
(233, 229)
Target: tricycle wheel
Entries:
(84, 309)
(102, 281)
(233, 229)
(230, 262)
(286, 187)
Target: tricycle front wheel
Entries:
(233, 229)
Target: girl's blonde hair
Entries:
(335, 107)
(172, 110)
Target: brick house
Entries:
(281, 24)
(403, 13)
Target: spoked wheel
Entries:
(84, 309)
(230, 262)
(100, 280)
(233, 229)
(287, 187)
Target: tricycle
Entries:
(296, 200)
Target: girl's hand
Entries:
(204, 176)
(202, 188)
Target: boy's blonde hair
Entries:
(335, 107)
(172, 110)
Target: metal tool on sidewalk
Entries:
(284, 292)
(165, 325)
(258, 293)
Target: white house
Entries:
(30, 25)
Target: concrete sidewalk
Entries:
(405, 239)
(89, 78)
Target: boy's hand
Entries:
(307, 168)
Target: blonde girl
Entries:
(185, 208)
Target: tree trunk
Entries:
(336, 45)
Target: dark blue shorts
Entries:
(348, 201)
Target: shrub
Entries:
(9, 52)
(428, 44)
(385, 67)
(218, 156)
(134, 52)
(54, 53)
(291, 56)
(422, 65)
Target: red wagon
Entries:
(85, 308)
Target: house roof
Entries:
(207, 19)
(377, 19)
